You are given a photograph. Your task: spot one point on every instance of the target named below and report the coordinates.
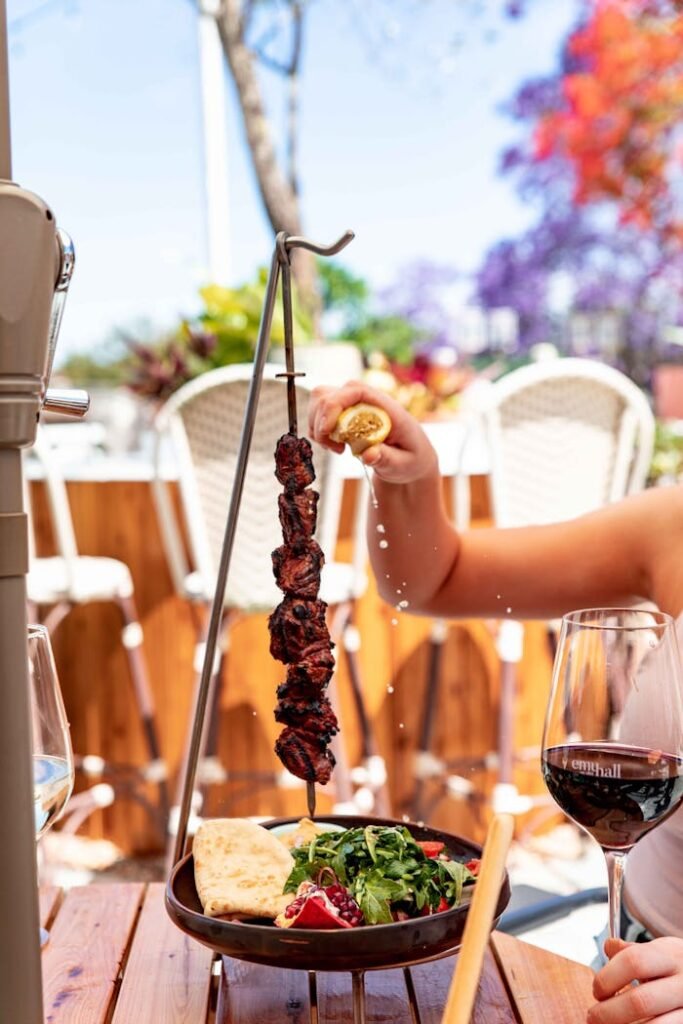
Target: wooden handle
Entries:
(465, 981)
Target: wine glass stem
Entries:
(616, 866)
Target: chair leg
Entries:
(56, 614)
(155, 770)
(426, 765)
(374, 768)
(510, 645)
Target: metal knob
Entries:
(67, 401)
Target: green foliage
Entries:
(393, 336)
(83, 368)
(384, 869)
(667, 459)
(224, 332)
(343, 293)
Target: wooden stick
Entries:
(465, 981)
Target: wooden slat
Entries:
(250, 993)
(432, 981)
(386, 998)
(253, 994)
(545, 987)
(88, 942)
(168, 976)
(49, 896)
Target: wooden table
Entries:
(114, 956)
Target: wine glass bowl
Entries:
(612, 751)
(53, 761)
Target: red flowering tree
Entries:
(618, 119)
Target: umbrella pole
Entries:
(21, 998)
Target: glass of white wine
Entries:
(53, 760)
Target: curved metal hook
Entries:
(296, 242)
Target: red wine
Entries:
(616, 792)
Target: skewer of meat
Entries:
(298, 629)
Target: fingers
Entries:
(637, 962)
(658, 999)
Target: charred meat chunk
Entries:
(298, 514)
(311, 673)
(294, 463)
(305, 755)
(296, 626)
(300, 713)
(298, 573)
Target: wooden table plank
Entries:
(168, 976)
(251, 993)
(88, 942)
(545, 987)
(432, 981)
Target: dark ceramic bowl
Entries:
(349, 949)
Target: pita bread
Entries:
(240, 869)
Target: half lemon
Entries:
(361, 426)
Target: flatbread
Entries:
(240, 869)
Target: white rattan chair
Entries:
(565, 437)
(58, 583)
(203, 422)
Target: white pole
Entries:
(5, 147)
(214, 115)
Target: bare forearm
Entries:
(412, 544)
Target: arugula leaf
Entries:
(383, 867)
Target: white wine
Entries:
(52, 784)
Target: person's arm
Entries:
(657, 965)
(625, 552)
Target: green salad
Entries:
(389, 874)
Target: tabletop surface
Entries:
(114, 956)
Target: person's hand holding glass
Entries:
(53, 762)
(613, 739)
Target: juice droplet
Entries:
(402, 605)
(371, 486)
(497, 597)
(384, 544)
(380, 528)
(394, 622)
(398, 590)
(401, 725)
(390, 689)
(508, 610)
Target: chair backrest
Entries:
(204, 422)
(565, 437)
(57, 499)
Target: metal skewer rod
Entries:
(283, 244)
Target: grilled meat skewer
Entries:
(299, 636)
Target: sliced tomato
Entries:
(473, 865)
(443, 905)
(430, 847)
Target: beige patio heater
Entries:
(36, 261)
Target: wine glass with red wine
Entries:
(612, 754)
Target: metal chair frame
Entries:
(56, 585)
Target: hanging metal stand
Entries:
(356, 950)
(280, 267)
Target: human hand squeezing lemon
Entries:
(377, 429)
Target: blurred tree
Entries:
(586, 241)
(619, 112)
(270, 34)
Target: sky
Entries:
(401, 129)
